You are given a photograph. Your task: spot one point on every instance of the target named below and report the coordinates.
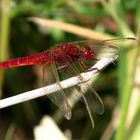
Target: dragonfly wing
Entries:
(101, 48)
(59, 98)
(93, 97)
(92, 100)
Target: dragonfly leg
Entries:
(44, 67)
(62, 67)
(85, 67)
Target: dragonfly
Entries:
(71, 59)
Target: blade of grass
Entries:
(126, 76)
(5, 23)
(135, 122)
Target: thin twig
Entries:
(54, 87)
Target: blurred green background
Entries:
(20, 36)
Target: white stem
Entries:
(54, 87)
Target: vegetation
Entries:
(21, 35)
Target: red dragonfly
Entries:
(70, 59)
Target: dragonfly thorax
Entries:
(77, 53)
(66, 52)
(71, 50)
(72, 53)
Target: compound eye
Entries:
(89, 53)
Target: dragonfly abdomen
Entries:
(25, 61)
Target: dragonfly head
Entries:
(87, 52)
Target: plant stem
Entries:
(127, 68)
(4, 35)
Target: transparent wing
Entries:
(51, 76)
(97, 104)
(92, 100)
(105, 48)
(101, 49)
